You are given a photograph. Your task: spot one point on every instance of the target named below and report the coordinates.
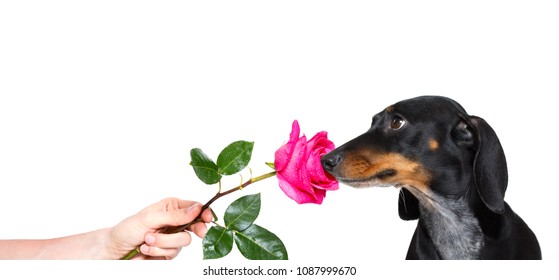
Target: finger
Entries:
(159, 219)
(153, 251)
(174, 240)
(170, 203)
(207, 216)
(184, 203)
(176, 203)
(199, 229)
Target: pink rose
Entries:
(299, 170)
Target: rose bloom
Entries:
(299, 170)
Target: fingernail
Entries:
(144, 249)
(150, 239)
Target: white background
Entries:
(100, 103)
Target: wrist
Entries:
(103, 248)
(92, 245)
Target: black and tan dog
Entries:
(453, 175)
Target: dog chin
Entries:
(365, 183)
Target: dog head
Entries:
(429, 146)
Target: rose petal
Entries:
(299, 169)
(285, 152)
(298, 195)
(319, 178)
(295, 172)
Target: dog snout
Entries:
(330, 161)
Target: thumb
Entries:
(159, 219)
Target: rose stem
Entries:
(175, 229)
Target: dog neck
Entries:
(452, 226)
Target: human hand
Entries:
(141, 230)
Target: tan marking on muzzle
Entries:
(364, 165)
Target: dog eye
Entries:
(397, 123)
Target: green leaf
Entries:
(217, 242)
(271, 165)
(234, 157)
(257, 243)
(204, 167)
(242, 212)
(215, 218)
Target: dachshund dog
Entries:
(452, 174)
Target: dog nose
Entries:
(329, 161)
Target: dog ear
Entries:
(490, 166)
(408, 205)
